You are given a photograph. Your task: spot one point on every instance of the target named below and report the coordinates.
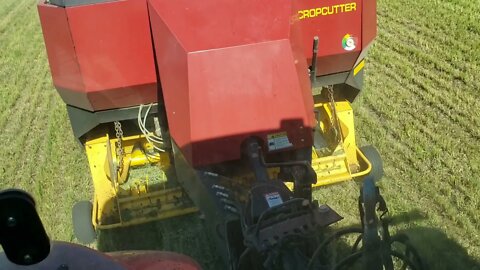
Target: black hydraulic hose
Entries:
(286, 163)
(252, 151)
(328, 240)
(409, 249)
(357, 255)
(348, 260)
(273, 209)
(405, 260)
(242, 257)
(357, 242)
(313, 69)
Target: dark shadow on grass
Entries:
(186, 235)
(439, 252)
(436, 249)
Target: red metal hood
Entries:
(229, 70)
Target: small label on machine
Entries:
(327, 10)
(278, 141)
(349, 42)
(273, 199)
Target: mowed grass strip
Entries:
(419, 110)
(419, 107)
(40, 153)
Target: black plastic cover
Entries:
(73, 3)
(67, 256)
(22, 235)
(264, 196)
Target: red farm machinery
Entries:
(238, 109)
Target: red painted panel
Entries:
(336, 63)
(369, 23)
(331, 21)
(113, 44)
(101, 55)
(154, 260)
(248, 22)
(221, 88)
(123, 97)
(59, 44)
(330, 28)
(171, 54)
(252, 90)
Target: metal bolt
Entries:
(221, 194)
(63, 267)
(210, 174)
(323, 208)
(27, 259)
(11, 222)
(218, 187)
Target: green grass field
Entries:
(420, 108)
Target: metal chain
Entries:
(119, 150)
(334, 120)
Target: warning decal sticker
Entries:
(273, 199)
(278, 141)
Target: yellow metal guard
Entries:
(342, 160)
(141, 192)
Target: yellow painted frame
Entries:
(346, 162)
(110, 200)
